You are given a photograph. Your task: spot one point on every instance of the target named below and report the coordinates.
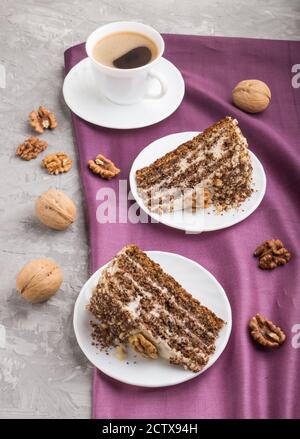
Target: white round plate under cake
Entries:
(203, 220)
(135, 369)
(82, 97)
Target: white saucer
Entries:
(205, 219)
(135, 369)
(82, 98)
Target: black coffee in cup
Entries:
(125, 50)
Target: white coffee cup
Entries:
(126, 86)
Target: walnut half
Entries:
(272, 254)
(143, 346)
(265, 332)
(103, 167)
(42, 119)
(31, 148)
(57, 163)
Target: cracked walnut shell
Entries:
(251, 95)
(103, 167)
(143, 346)
(42, 119)
(31, 148)
(272, 254)
(39, 280)
(55, 209)
(265, 333)
(57, 163)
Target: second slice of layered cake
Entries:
(137, 303)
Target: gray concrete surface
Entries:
(42, 371)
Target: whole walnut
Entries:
(251, 95)
(55, 209)
(39, 280)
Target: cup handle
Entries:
(163, 86)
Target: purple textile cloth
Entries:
(246, 382)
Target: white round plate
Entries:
(139, 371)
(203, 220)
(82, 98)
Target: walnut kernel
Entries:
(272, 254)
(57, 163)
(42, 119)
(120, 352)
(265, 333)
(31, 148)
(103, 167)
(143, 346)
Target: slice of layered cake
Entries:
(212, 168)
(137, 303)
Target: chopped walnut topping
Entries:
(120, 353)
(42, 119)
(143, 346)
(57, 163)
(103, 167)
(265, 332)
(218, 182)
(31, 148)
(244, 157)
(272, 254)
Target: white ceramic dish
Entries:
(139, 371)
(205, 219)
(83, 99)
